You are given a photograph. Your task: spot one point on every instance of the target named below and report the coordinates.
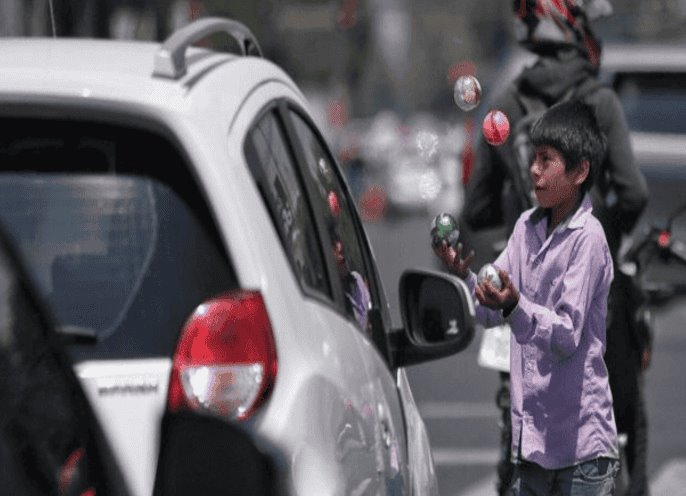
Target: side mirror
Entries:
(203, 454)
(438, 317)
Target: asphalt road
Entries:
(456, 396)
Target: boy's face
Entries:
(339, 253)
(555, 188)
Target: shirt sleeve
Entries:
(588, 276)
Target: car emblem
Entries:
(127, 385)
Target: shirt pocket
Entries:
(552, 281)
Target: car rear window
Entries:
(653, 102)
(122, 252)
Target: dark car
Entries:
(51, 442)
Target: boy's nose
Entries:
(535, 170)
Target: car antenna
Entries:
(52, 19)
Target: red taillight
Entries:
(225, 361)
(663, 239)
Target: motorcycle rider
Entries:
(559, 33)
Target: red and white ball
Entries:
(496, 127)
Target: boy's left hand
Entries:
(496, 299)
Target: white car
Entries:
(187, 225)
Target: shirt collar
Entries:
(574, 221)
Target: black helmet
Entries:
(545, 25)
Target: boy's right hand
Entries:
(452, 258)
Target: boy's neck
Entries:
(558, 215)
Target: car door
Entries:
(359, 284)
(332, 435)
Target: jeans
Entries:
(592, 478)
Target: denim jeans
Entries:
(592, 478)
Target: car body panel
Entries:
(128, 397)
(365, 409)
(419, 449)
(345, 422)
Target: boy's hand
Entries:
(506, 298)
(452, 259)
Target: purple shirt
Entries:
(561, 401)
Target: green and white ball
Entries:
(444, 228)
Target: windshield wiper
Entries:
(78, 334)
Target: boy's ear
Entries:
(582, 172)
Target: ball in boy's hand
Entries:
(444, 228)
(490, 273)
(496, 127)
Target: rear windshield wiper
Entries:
(78, 334)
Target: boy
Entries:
(556, 272)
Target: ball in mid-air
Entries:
(467, 92)
(496, 127)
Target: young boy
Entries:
(556, 272)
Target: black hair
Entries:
(572, 129)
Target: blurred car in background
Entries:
(412, 161)
(650, 80)
(662, 160)
(187, 225)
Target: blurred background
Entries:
(379, 78)
(382, 69)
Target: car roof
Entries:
(45, 70)
(644, 57)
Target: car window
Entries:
(653, 102)
(342, 242)
(111, 228)
(276, 176)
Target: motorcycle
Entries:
(658, 246)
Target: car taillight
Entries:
(225, 361)
(663, 239)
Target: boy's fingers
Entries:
(479, 294)
(504, 277)
(458, 250)
(489, 290)
(484, 297)
(468, 259)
